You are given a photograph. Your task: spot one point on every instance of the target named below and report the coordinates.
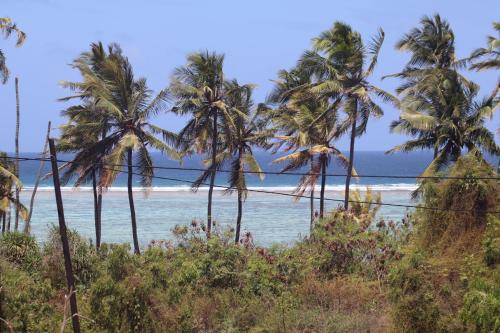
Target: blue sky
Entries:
(258, 38)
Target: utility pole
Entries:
(64, 239)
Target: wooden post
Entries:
(64, 238)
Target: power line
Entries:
(308, 197)
(285, 194)
(276, 172)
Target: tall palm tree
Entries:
(289, 88)
(311, 144)
(430, 75)
(462, 129)
(7, 28)
(128, 106)
(338, 60)
(199, 90)
(488, 57)
(250, 131)
(8, 180)
(76, 137)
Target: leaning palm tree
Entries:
(198, 88)
(338, 61)
(128, 105)
(7, 28)
(8, 180)
(464, 128)
(250, 131)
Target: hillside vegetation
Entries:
(435, 271)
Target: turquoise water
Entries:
(270, 218)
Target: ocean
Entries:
(270, 218)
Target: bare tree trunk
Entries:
(351, 158)
(213, 168)
(323, 184)
(96, 212)
(131, 202)
(27, 226)
(240, 200)
(16, 223)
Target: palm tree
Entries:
(128, 105)
(338, 61)
(430, 75)
(292, 84)
(488, 57)
(7, 28)
(250, 130)
(461, 129)
(199, 91)
(76, 137)
(311, 144)
(438, 105)
(8, 180)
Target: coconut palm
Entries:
(128, 106)
(199, 90)
(7, 28)
(76, 137)
(8, 181)
(488, 57)
(311, 144)
(461, 129)
(250, 131)
(438, 105)
(339, 63)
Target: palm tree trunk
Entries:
(131, 202)
(323, 184)
(212, 175)
(240, 199)
(351, 158)
(436, 151)
(311, 200)
(9, 217)
(27, 226)
(2, 217)
(16, 223)
(96, 212)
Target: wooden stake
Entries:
(64, 238)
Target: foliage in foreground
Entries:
(435, 272)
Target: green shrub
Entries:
(84, 259)
(20, 249)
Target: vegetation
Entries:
(430, 272)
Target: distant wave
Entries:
(283, 188)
